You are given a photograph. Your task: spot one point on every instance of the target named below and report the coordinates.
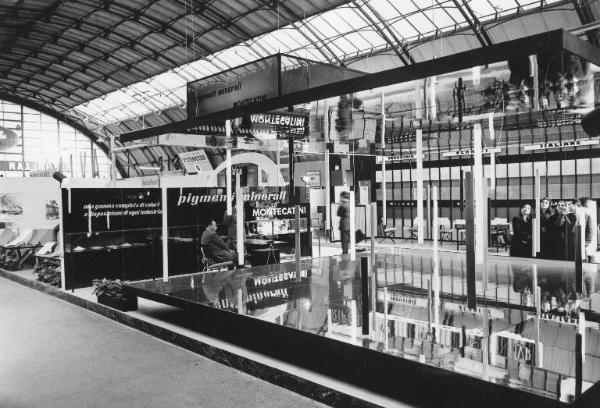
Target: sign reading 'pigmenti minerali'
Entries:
(225, 91)
(560, 144)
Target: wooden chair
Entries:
(461, 232)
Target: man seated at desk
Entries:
(214, 247)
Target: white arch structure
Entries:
(263, 162)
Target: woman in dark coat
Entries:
(520, 244)
(545, 214)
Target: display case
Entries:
(111, 233)
(394, 332)
(131, 254)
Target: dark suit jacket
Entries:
(214, 247)
(343, 212)
(520, 244)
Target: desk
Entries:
(264, 256)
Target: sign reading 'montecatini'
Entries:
(560, 144)
(470, 152)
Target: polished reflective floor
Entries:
(503, 340)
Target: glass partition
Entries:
(503, 342)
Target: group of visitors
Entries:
(558, 221)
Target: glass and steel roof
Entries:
(343, 35)
(115, 66)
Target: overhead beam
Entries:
(550, 42)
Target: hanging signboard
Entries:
(560, 144)
(470, 152)
(182, 139)
(400, 157)
(258, 83)
(42, 173)
(15, 166)
(195, 162)
(312, 178)
(284, 125)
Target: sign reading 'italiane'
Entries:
(561, 144)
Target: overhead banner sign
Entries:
(470, 152)
(212, 94)
(400, 157)
(561, 144)
(182, 139)
(42, 173)
(283, 124)
(195, 162)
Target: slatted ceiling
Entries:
(142, 37)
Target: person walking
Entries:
(343, 212)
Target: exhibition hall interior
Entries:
(357, 203)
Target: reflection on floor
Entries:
(508, 344)
(57, 355)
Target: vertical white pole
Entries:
(329, 321)
(113, 159)
(535, 248)
(581, 330)
(492, 154)
(480, 222)
(353, 320)
(476, 74)
(61, 241)
(385, 318)
(373, 233)
(382, 119)
(418, 101)
(383, 166)
(240, 301)
(432, 100)
(485, 341)
(165, 235)
(228, 179)
(327, 196)
(384, 190)
(239, 211)
(352, 249)
(420, 232)
(436, 264)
